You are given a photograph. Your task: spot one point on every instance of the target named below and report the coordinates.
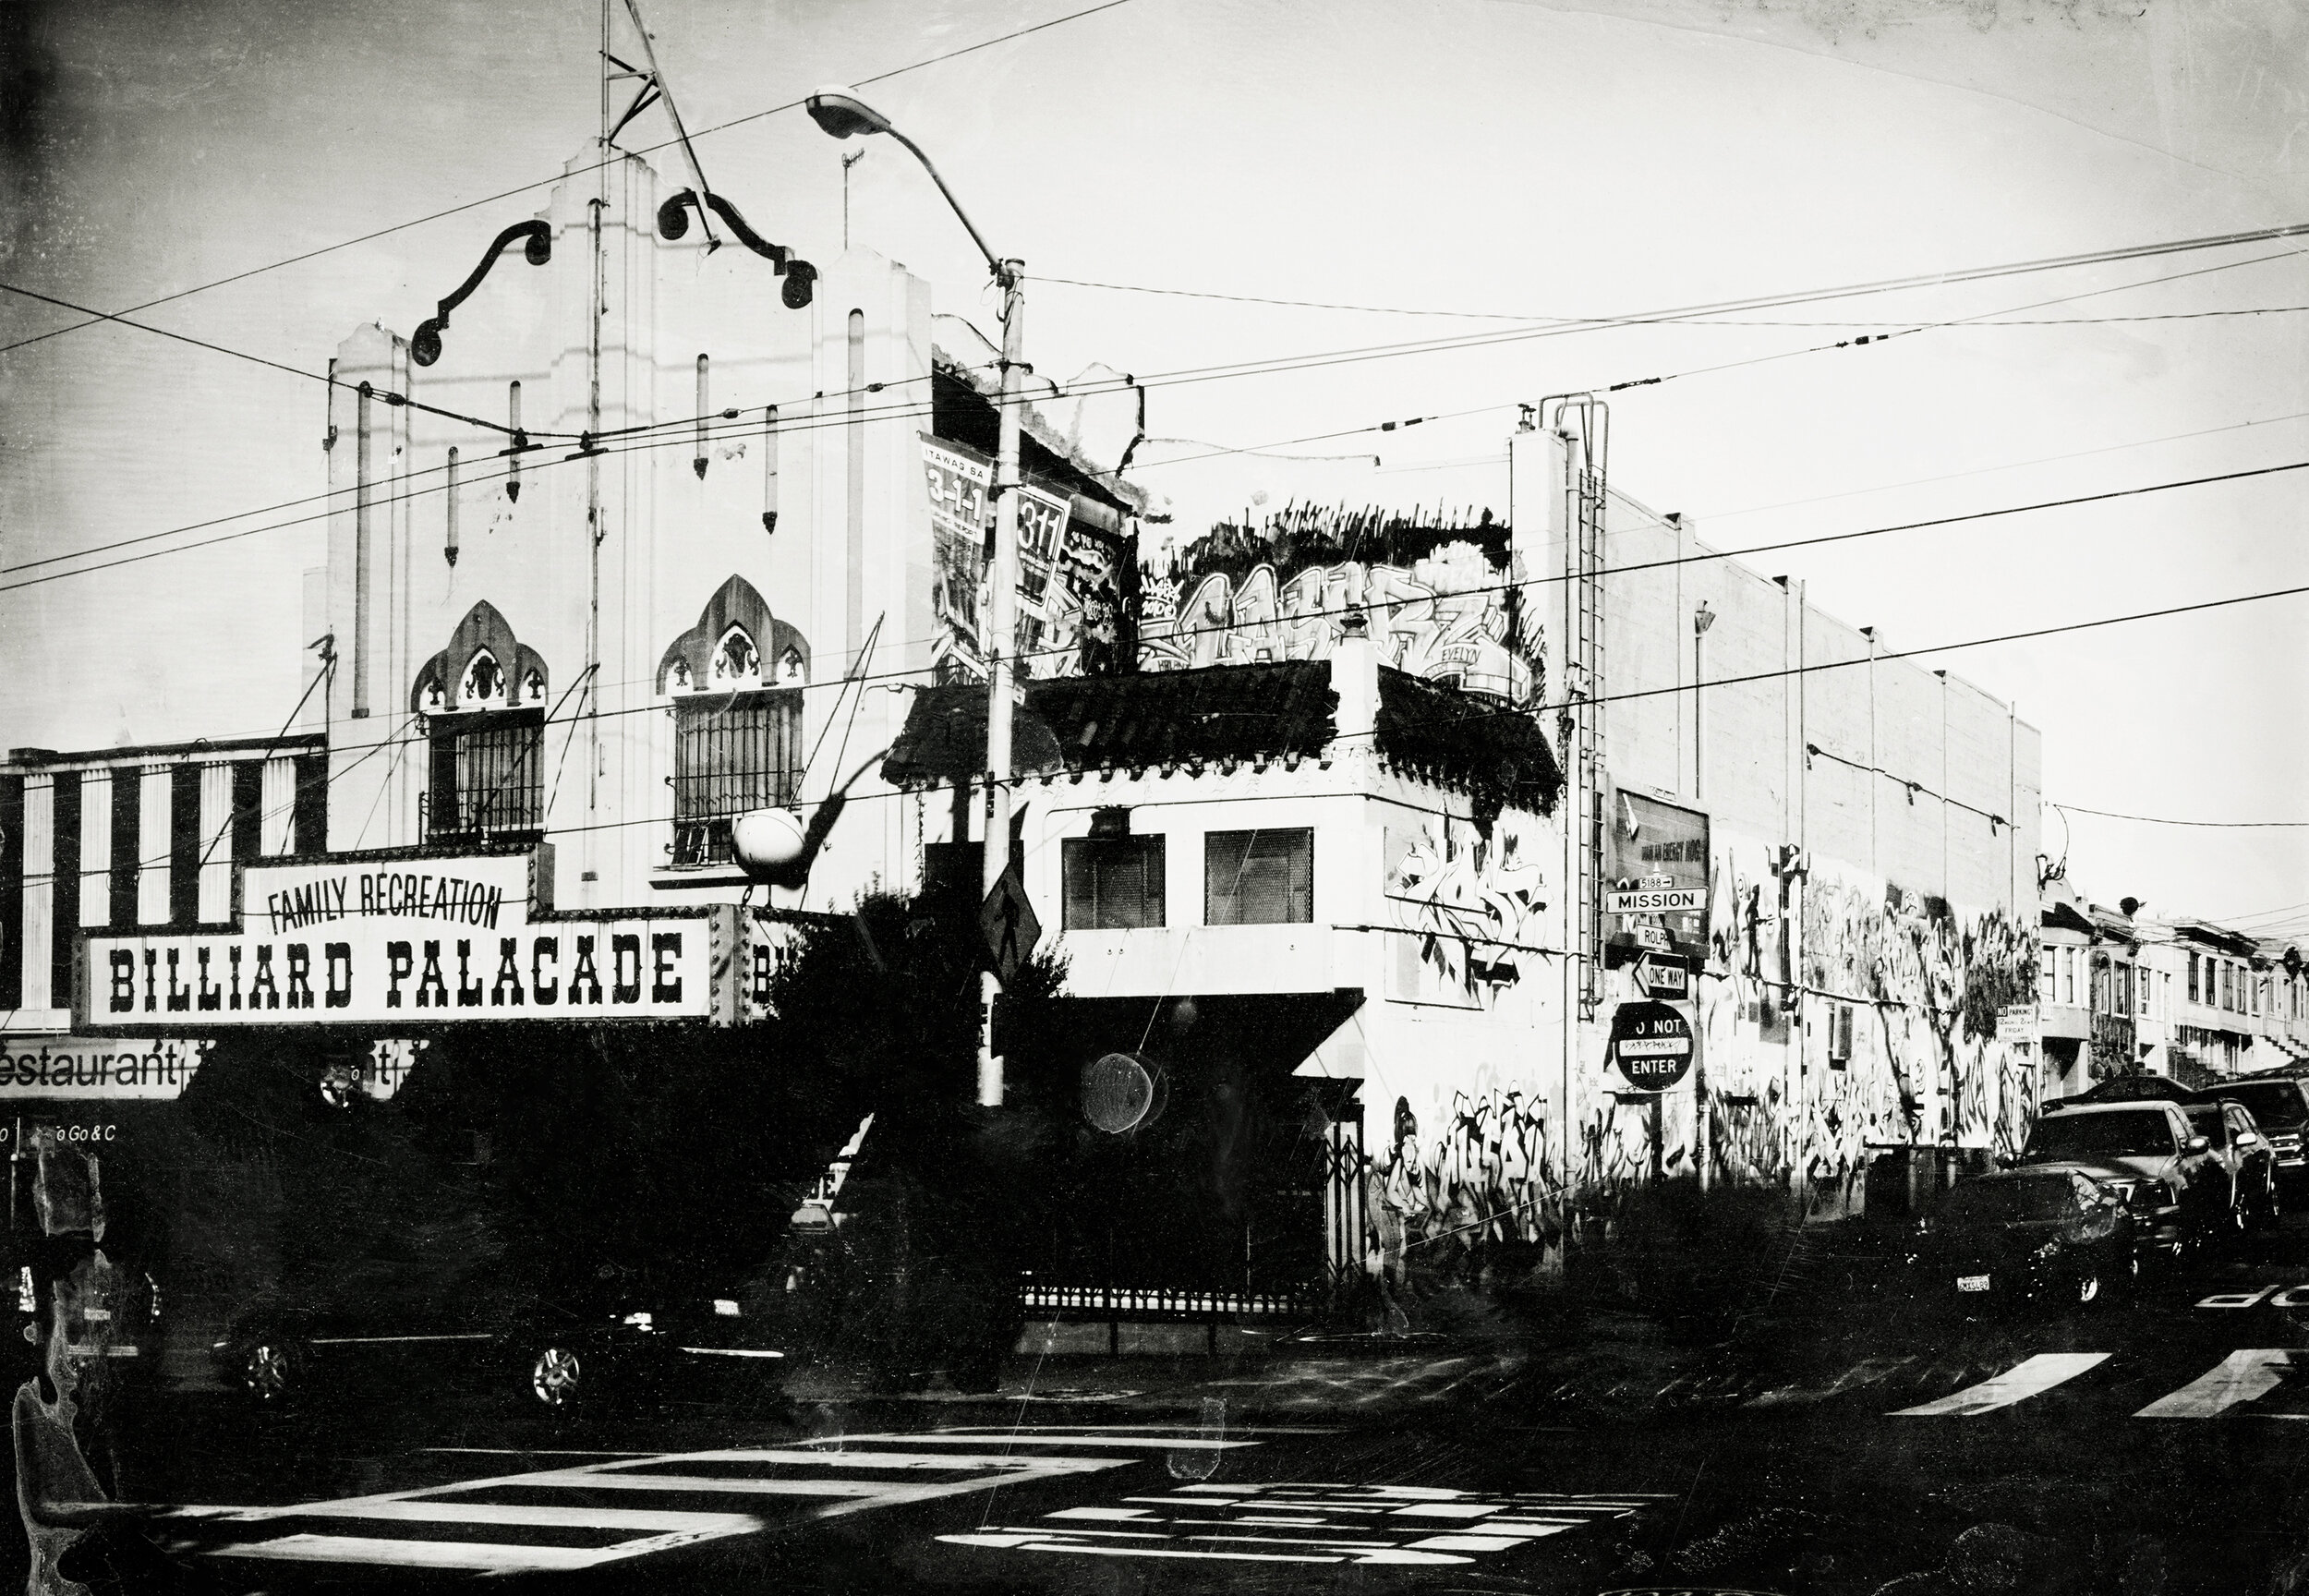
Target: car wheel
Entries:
(270, 1371)
(557, 1376)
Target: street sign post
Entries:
(1651, 1044)
(1010, 925)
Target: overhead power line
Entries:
(386, 394)
(371, 236)
(1761, 302)
(2164, 820)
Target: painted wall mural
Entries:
(1466, 901)
(1476, 1163)
(1435, 593)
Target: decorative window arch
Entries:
(767, 652)
(485, 667)
(735, 680)
(484, 697)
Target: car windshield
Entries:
(2001, 1201)
(2274, 1103)
(2131, 1131)
(2205, 1118)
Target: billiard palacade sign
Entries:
(413, 942)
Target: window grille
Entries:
(1264, 877)
(487, 775)
(732, 752)
(1113, 883)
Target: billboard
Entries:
(960, 485)
(1655, 890)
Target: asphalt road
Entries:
(1840, 1442)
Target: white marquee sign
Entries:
(413, 942)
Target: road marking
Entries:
(2245, 1374)
(1224, 1527)
(478, 1556)
(764, 1485)
(1136, 1438)
(2023, 1380)
(432, 1512)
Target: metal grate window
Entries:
(1264, 877)
(488, 774)
(1113, 883)
(732, 752)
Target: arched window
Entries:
(735, 679)
(483, 701)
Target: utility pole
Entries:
(842, 114)
(1001, 645)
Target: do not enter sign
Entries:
(1653, 1045)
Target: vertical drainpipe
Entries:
(360, 551)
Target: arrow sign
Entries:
(1010, 925)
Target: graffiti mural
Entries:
(1481, 1174)
(1437, 596)
(1485, 1180)
(1467, 900)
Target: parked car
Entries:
(559, 1355)
(2238, 1146)
(2280, 1104)
(2176, 1190)
(2050, 1232)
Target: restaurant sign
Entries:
(365, 940)
(110, 1068)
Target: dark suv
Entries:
(2178, 1191)
(2280, 1104)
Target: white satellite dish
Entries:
(768, 842)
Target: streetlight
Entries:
(840, 113)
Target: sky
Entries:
(1449, 167)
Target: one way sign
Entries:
(1009, 924)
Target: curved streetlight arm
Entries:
(995, 261)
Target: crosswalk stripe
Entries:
(478, 1556)
(2244, 1374)
(582, 1479)
(2023, 1380)
(978, 1438)
(835, 1484)
(424, 1510)
(808, 1457)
